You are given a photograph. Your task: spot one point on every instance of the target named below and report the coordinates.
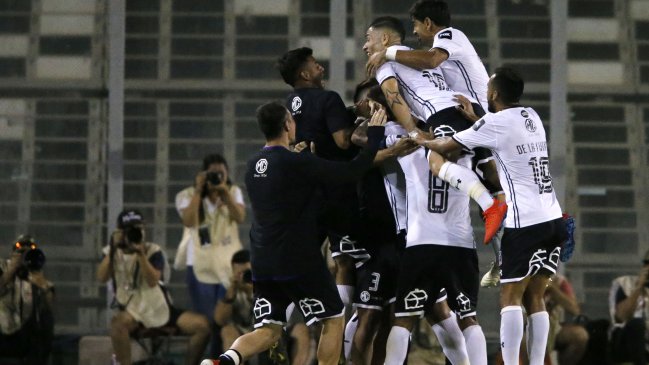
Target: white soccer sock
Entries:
(346, 293)
(466, 181)
(397, 346)
(511, 333)
(350, 330)
(450, 337)
(476, 345)
(538, 326)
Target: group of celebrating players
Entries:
(390, 188)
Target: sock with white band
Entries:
(350, 330)
(466, 181)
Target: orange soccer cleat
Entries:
(493, 218)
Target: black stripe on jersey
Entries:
(467, 80)
(517, 218)
(416, 97)
(393, 203)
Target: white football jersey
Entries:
(463, 70)
(438, 214)
(426, 92)
(516, 138)
(393, 177)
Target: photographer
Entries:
(136, 269)
(26, 321)
(211, 212)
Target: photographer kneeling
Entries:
(26, 321)
(135, 267)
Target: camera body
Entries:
(215, 178)
(133, 235)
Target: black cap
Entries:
(128, 218)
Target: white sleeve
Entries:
(384, 72)
(182, 200)
(483, 133)
(444, 40)
(237, 195)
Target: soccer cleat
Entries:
(493, 218)
(492, 277)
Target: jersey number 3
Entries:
(437, 194)
(541, 169)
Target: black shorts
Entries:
(347, 245)
(426, 269)
(376, 280)
(315, 294)
(531, 250)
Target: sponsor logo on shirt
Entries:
(261, 166)
(530, 125)
(447, 34)
(365, 296)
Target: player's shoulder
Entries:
(451, 34)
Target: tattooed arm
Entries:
(399, 108)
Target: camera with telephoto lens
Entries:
(215, 178)
(33, 258)
(132, 236)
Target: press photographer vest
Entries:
(211, 260)
(148, 305)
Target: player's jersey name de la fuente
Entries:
(532, 147)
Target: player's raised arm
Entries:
(399, 108)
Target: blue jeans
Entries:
(204, 298)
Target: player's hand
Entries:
(465, 108)
(222, 189)
(419, 137)
(379, 118)
(404, 146)
(303, 145)
(117, 237)
(374, 62)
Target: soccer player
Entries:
(322, 118)
(534, 228)
(286, 262)
(463, 70)
(424, 95)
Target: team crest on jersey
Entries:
(415, 299)
(296, 103)
(445, 35)
(530, 125)
(311, 306)
(261, 166)
(261, 308)
(444, 131)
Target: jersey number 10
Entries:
(541, 169)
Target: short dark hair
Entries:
(509, 84)
(270, 118)
(435, 10)
(290, 64)
(391, 23)
(241, 257)
(214, 158)
(365, 84)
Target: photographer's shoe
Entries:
(493, 218)
(492, 277)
